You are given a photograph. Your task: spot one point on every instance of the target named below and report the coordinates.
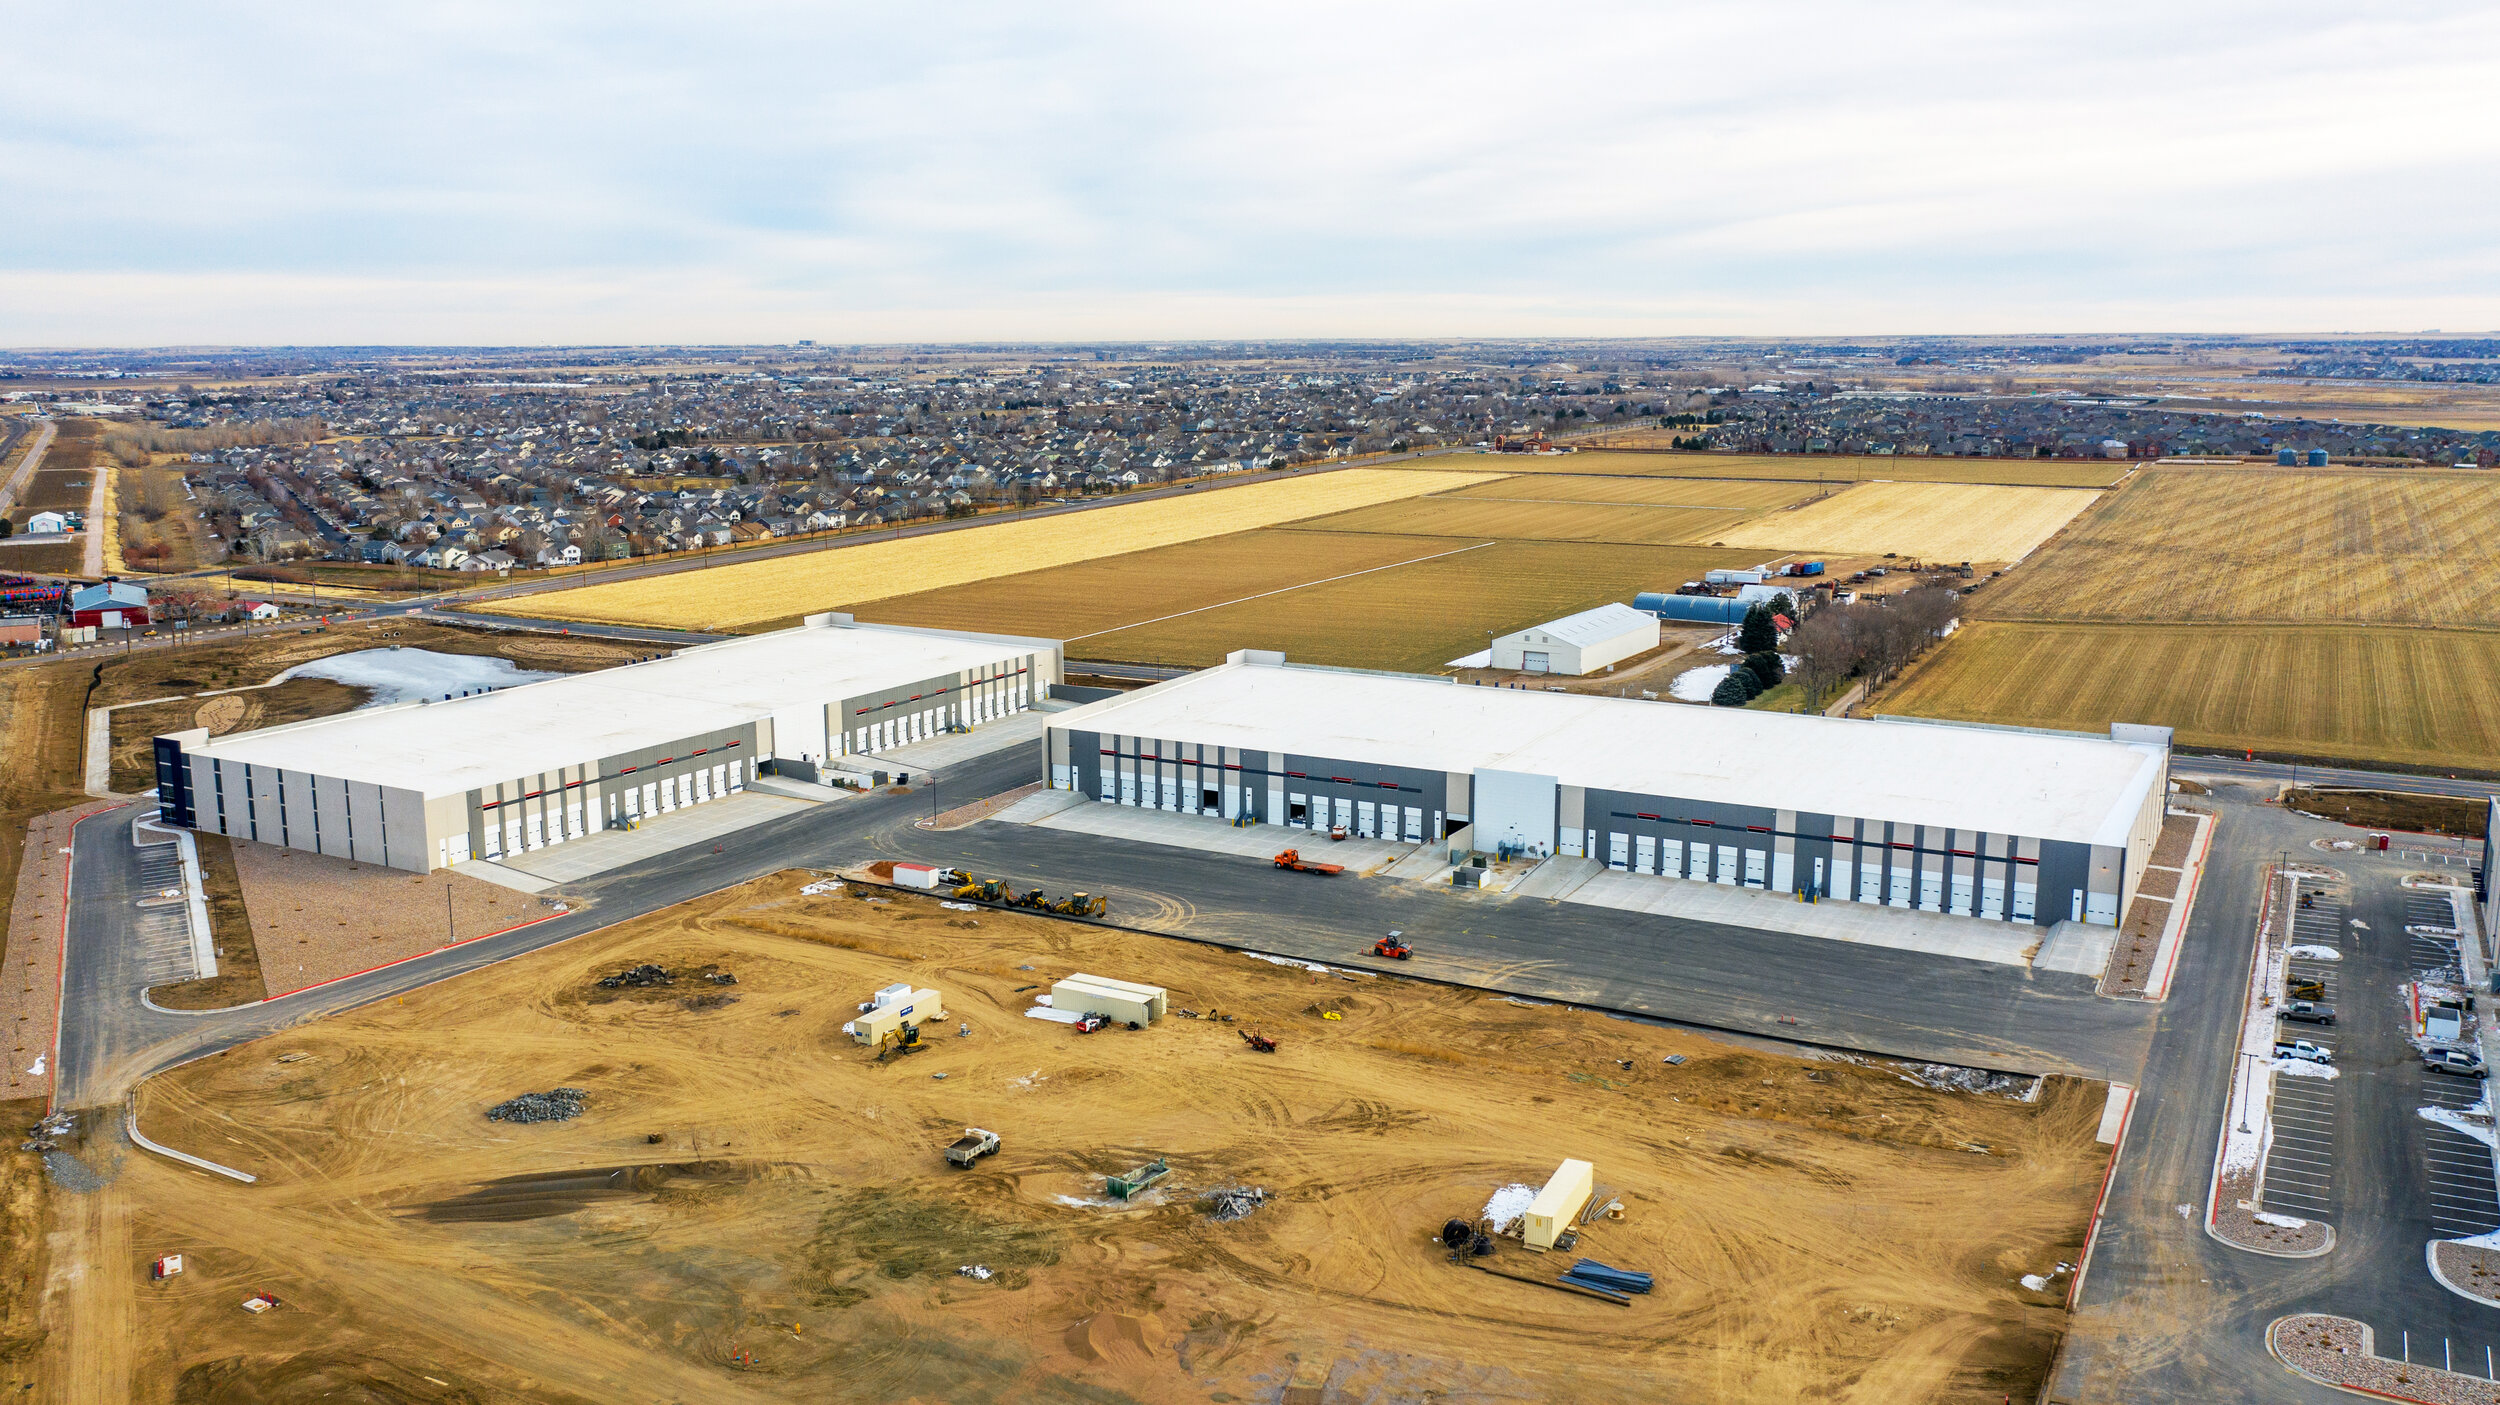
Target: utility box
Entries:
(1558, 1206)
(916, 875)
(1124, 1001)
(887, 1016)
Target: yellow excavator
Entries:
(1082, 905)
(902, 1039)
(984, 890)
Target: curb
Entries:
(2369, 1346)
(2185, 904)
(2430, 1256)
(130, 1124)
(2109, 1175)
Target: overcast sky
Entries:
(620, 172)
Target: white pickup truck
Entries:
(974, 1144)
(2303, 1049)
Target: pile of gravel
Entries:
(1233, 1202)
(554, 1105)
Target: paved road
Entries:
(2345, 776)
(2168, 1313)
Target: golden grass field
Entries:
(726, 597)
(1073, 601)
(1811, 468)
(1511, 519)
(2415, 696)
(1187, 604)
(2272, 545)
(1930, 521)
(1724, 494)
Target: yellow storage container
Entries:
(1557, 1207)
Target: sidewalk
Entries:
(1208, 834)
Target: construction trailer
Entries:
(888, 1014)
(1558, 1206)
(1124, 1001)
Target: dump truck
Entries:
(1292, 861)
(974, 1144)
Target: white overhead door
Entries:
(1755, 862)
(1414, 825)
(1345, 813)
(1363, 812)
(1534, 662)
(1645, 854)
(1671, 857)
(1727, 864)
(1618, 851)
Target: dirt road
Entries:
(26, 467)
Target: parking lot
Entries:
(2459, 1190)
(2300, 1168)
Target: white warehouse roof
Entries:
(2080, 789)
(1609, 621)
(445, 748)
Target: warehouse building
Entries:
(429, 784)
(1581, 643)
(2003, 824)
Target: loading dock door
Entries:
(1618, 851)
(651, 799)
(1671, 857)
(1128, 787)
(1345, 812)
(1645, 855)
(1363, 812)
(1535, 662)
(1414, 825)
(1727, 865)
(1754, 868)
(1171, 793)
(1931, 891)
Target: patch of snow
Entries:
(1482, 658)
(2035, 1283)
(2305, 1069)
(2313, 953)
(2187, 1212)
(1285, 961)
(1044, 1012)
(2449, 1117)
(1697, 684)
(961, 907)
(1508, 1204)
(1949, 627)
(820, 887)
(2480, 1241)
(2359, 925)
(37, 1070)
(405, 675)
(2278, 1221)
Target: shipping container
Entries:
(1558, 1206)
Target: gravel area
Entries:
(2470, 1269)
(2177, 832)
(979, 810)
(31, 987)
(317, 918)
(2130, 970)
(2159, 883)
(2242, 1228)
(2337, 1351)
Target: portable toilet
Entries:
(1557, 1207)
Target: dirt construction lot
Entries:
(752, 1209)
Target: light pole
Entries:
(2245, 1095)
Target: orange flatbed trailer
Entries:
(1293, 861)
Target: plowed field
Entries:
(1811, 468)
(2417, 696)
(2254, 545)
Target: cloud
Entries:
(466, 173)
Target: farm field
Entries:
(1512, 519)
(2419, 697)
(1812, 468)
(1417, 618)
(728, 597)
(1930, 521)
(751, 1208)
(2271, 545)
(1073, 602)
(1717, 494)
